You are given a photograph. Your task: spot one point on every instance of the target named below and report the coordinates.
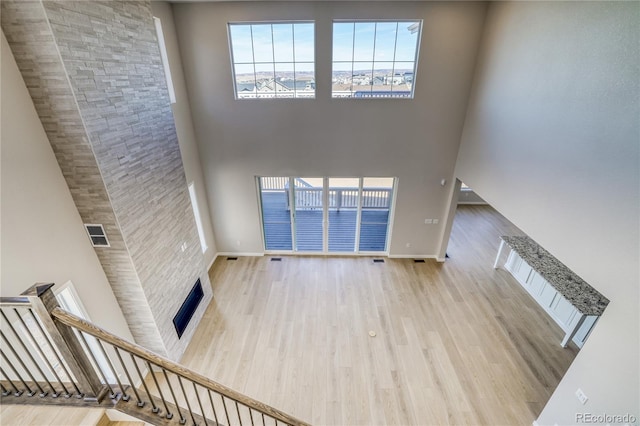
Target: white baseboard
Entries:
(390, 256)
(322, 254)
(413, 256)
(239, 254)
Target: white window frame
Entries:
(165, 59)
(375, 21)
(234, 63)
(325, 221)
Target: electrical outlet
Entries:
(581, 396)
(183, 246)
(408, 244)
(428, 221)
(435, 221)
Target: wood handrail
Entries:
(15, 301)
(99, 333)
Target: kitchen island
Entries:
(566, 297)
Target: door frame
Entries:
(325, 223)
(102, 361)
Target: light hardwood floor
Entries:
(38, 415)
(457, 343)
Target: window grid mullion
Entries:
(373, 53)
(295, 76)
(353, 49)
(253, 56)
(395, 47)
(273, 57)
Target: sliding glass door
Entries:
(326, 215)
(309, 214)
(375, 213)
(343, 214)
(276, 213)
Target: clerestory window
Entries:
(273, 59)
(375, 59)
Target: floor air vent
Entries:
(378, 260)
(276, 259)
(418, 260)
(232, 258)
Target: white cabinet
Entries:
(547, 295)
(513, 261)
(559, 308)
(563, 311)
(536, 285)
(518, 267)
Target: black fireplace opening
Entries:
(189, 306)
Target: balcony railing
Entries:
(310, 197)
(343, 198)
(281, 183)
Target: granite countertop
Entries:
(579, 293)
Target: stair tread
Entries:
(40, 415)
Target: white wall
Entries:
(43, 238)
(554, 114)
(415, 140)
(469, 196)
(184, 125)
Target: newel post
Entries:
(43, 301)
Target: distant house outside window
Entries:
(375, 59)
(273, 59)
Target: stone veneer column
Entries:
(94, 72)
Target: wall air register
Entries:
(189, 306)
(97, 235)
